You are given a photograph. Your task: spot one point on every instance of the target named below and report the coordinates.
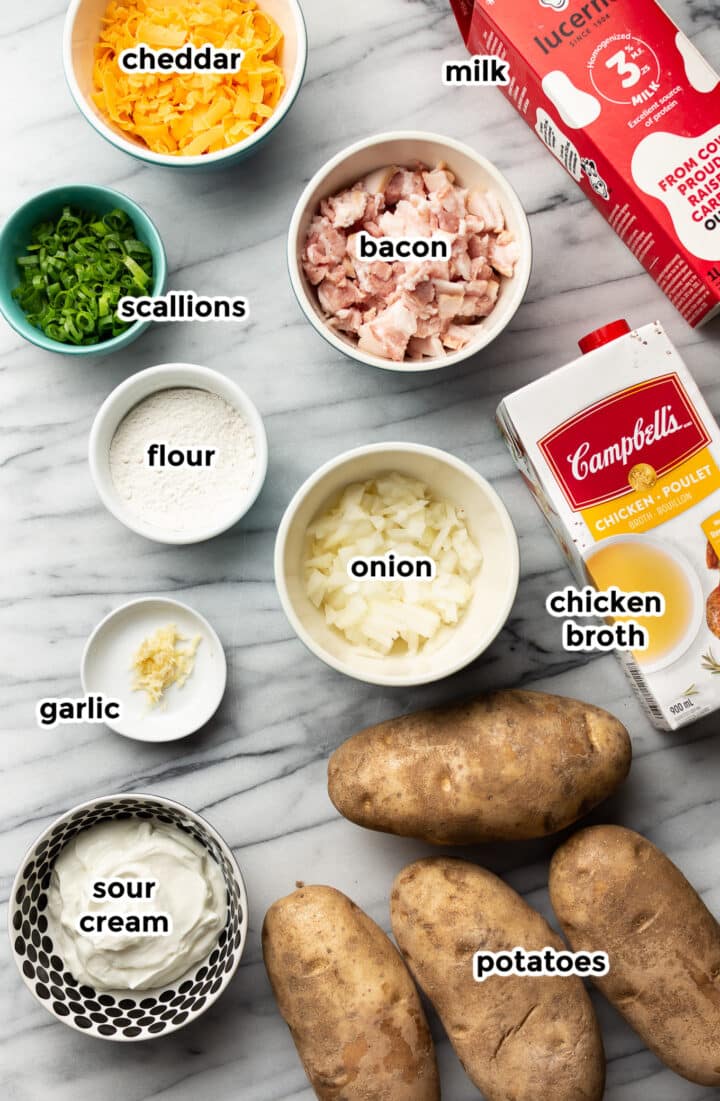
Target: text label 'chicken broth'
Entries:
(409, 264)
(628, 618)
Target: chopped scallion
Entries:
(76, 270)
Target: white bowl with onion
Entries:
(403, 149)
(493, 587)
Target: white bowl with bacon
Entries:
(413, 315)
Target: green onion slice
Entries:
(76, 269)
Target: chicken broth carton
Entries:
(622, 455)
(632, 110)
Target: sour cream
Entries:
(189, 889)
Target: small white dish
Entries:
(83, 23)
(126, 396)
(489, 525)
(106, 669)
(404, 148)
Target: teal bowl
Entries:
(15, 236)
(83, 24)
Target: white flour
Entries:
(184, 499)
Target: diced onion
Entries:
(392, 513)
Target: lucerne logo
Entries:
(556, 5)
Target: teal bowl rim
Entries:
(160, 267)
(225, 158)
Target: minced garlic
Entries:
(160, 662)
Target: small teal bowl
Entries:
(15, 236)
(83, 24)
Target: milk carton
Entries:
(622, 455)
(632, 110)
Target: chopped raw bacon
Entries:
(449, 305)
(388, 335)
(483, 204)
(432, 326)
(411, 218)
(346, 209)
(412, 309)
(504, 253)
(337, 296)
(457, 336)
(420, 346)
(438, 180)
(324, 245)
(402, 185)
(348, 321)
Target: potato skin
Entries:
(520, 1038)
(348, 999)
(508, 766)
(613, 891)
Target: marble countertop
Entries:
(258, 771)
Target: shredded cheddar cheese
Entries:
(186, 114)
(160, 663)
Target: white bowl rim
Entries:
(406, 680)
(135, 150)
(520, 280)
(174, 805)
(172, 603)
(197, 377)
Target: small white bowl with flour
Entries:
(178, 453)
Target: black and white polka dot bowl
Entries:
(121, 1016)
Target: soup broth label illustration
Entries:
(645, 565)
(623, 456)
(631, 108)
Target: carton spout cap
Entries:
(604, 335)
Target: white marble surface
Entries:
(258, 771)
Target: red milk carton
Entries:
(632, 110)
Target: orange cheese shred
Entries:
(186, 114)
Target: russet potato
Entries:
(507, 766)
(519, 1037)
(614, 891)
(349, 1001)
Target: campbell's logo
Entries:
(592, 454)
